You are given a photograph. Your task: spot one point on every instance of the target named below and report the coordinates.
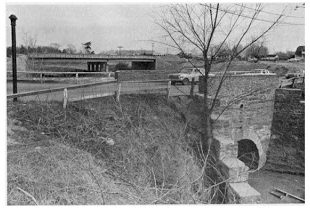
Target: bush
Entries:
(121, 66)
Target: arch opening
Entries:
(248, 153)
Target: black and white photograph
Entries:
(154, 103)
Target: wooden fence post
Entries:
(192, 87)
(168, 89)
(118, 92)
(65, 98)
(116, 74)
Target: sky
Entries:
(128, 25)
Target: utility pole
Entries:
(13, 24)
(152, 48)
(120, 49)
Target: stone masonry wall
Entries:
(256, 94)
(249, 118)
(287, 144)
(251, 87)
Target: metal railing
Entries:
(34, 75)
(239, 73)
(291, 82)
(106, 88)
(44, 91)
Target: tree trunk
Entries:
(206, 122)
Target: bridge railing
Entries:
(42, 56)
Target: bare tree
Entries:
(30, 46)
(30, 41)
(257, 50)
(71, 49)
(55, 45)
(209, 28)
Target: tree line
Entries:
(52, 48)
(256, 50)
(39, 49)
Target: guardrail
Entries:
(149, 81)
(231, 72)
(291, 82)
(117, 91)
(237, 73)
(77, 74)
(18, 95)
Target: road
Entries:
(126, 88)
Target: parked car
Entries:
(259, 72)
(252, 59)
(271, 57)
(294, 60)
(186, 75)
(292, 75)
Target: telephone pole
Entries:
(120, 49)
(152, 48)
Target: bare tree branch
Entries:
(204, 26)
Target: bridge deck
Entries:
(93, 57)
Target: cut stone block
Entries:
(236, 134)
(227, 148)
(234, 170)
(229, 153)
(245, 194)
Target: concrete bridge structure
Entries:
(92, 62)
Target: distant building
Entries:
(271, 57)
(300, 52)
(224, 55)
(184, 55)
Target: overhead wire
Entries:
(263, 11)
(245, 16)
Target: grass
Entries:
(170, 64)
(66, 156)
(165, 68)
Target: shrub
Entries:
(121, 66)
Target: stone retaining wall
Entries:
(287, 145)
(253, 121)
(249, 87)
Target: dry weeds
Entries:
(64, 157)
